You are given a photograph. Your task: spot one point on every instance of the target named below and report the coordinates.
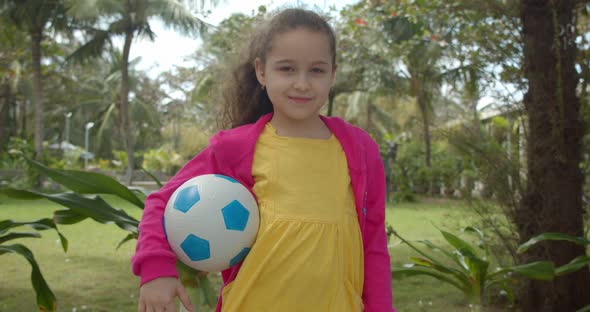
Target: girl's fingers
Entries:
(141, 306)
(171, 307)
(183, 296)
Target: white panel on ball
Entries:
(211, 222)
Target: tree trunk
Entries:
(5, 121)
(331, 97)
(36, 37)
(22, 132)
(418, 93)
(126, 126)
(553, 199)
(426, 129)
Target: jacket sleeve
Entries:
(153, 256)
(377, 295)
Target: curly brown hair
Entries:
(244, 99)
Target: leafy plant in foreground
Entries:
(45, 298)
(468, 271)
(574, 265)
(83, 201)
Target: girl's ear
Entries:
(259, 68)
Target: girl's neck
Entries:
(310, 128)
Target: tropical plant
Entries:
(35, 17)
(129, 19)
(12, 54)
(83, 201)
(46, 300)
(97, 97)
(575, 264)
(468, 270)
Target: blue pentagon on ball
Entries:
(232, 180)
(235, 216)
(196, 248)
(239, 257)
(186, 198)
(164, 227)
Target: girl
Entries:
(319, 184)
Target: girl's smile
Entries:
(300, 99)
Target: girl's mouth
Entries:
(298, 99)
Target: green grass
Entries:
(94, 276)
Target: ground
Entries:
(94, 276)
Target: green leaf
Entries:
(474, 230)
(11, 236)
(461, 276)
(92, 207)
(431, 264)
(39, 225)
(584, 309)
(87, 182)
(129, 237)
(153, 177)
(18, 194)
(539, 270)
(45, 298)
(552, 236)
(445, 252)
(195, 296)
(462, 246)
(479, 271)
(67, 217)
(208, 292)
(574, 265)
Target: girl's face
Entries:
(298, 74)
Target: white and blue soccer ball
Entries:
(211, 222)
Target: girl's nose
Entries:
(302, 83)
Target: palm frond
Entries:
(91, 49)
(177, 16)
(93, 9)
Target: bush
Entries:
(162, 160)
(410, 173)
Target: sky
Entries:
(170, 48)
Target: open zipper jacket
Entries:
(231, 153)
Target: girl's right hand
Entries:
(158, 295)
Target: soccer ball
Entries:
(211, 222)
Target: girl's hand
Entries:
(158, 295)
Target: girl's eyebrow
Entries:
(292, 61)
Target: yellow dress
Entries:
(308, 255)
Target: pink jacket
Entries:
(231, 153)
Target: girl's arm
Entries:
(153, 256)
(377, 287)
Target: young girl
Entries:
(319, 184)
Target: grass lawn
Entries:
(93, 276)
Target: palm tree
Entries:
(424, 77)
(129, 19)
(35, 17)
(11, 57)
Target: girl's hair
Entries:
(244, 99)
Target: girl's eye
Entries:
(318, 70)
(286, 69)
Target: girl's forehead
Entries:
(301, 44)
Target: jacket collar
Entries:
(239, 143)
